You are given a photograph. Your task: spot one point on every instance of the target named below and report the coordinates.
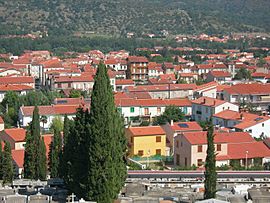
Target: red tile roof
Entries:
(17, 88)
(207, 101)
(18, 157)
(186, 126)
(51, 110)
(17, 134)
(124, 82)
(220, 74)
(254, 88)
(154, 88)
(148, 130)
(48, 138)
(88, 78)
(16, 80)
(199, 138)
(251, 150)
(137, 59)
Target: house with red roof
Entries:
(172, 129)
(20, 89)
(254, 93)
(147, 109)
(219, 76)
(15, 136)
(254, 124)
(123, 83)
(191, 147)
(154, 69)
(20, 80)
(116, 64)
(50, 112)
(146, 141)
(188, 77)
(18, 161)
(206, 90)
(204, 107)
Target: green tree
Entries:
(75, 93)
(181, 81)
(57, 124)
(243, 73)
(7, 165)
(106, 165)
(35, 98)
(10, 108)
(171, 113)
(54, 154)
(35, 151)
(210, 165)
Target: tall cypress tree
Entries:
(106, 143)
(210, 165)
(35, 151)
(7, 165)
(54, 154)
(1, 161)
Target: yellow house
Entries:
(146, 141)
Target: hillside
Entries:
(140, 16)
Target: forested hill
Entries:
(117, 17)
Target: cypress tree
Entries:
(7, 165)
(54, 154)
(1, 161)
(42, 161)
(35, 151)
(106, 143)
(64, 154)
(210, 165)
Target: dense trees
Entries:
(35, 151)
(243, 73)
(210, 165)
(170, 113)
(95, 153)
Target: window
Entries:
(199, 148)
(250, 131)
(131, 109)
(158, 110)
(177, 143)
(146, 111)
(185, 161)
(59, 85)
(158, 139)
(69, 85)
(177, 159)
(140, 152)
(218, 147)
(199, 162)
(262, 124)
(158, 151)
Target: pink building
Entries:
(191, 147)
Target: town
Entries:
(168, 97)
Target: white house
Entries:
(254, 124)
(50, 112)
(204, 107)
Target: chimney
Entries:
(172, 123)
(242, 116)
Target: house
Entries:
(254, 93)
(172, 129)
(203, 69)
(206, 90)
(168, 68)
(204, 107)
(20, 89)
(18, 161)
(147, 109)
(191, 147)
(261, 77)
(122, 84)
(254, 124)
(188, 77)
(219, 76)
(15, 136)
(49, 112)
(137, 68)
(154, 69)
(146, 141)
(19, 80)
